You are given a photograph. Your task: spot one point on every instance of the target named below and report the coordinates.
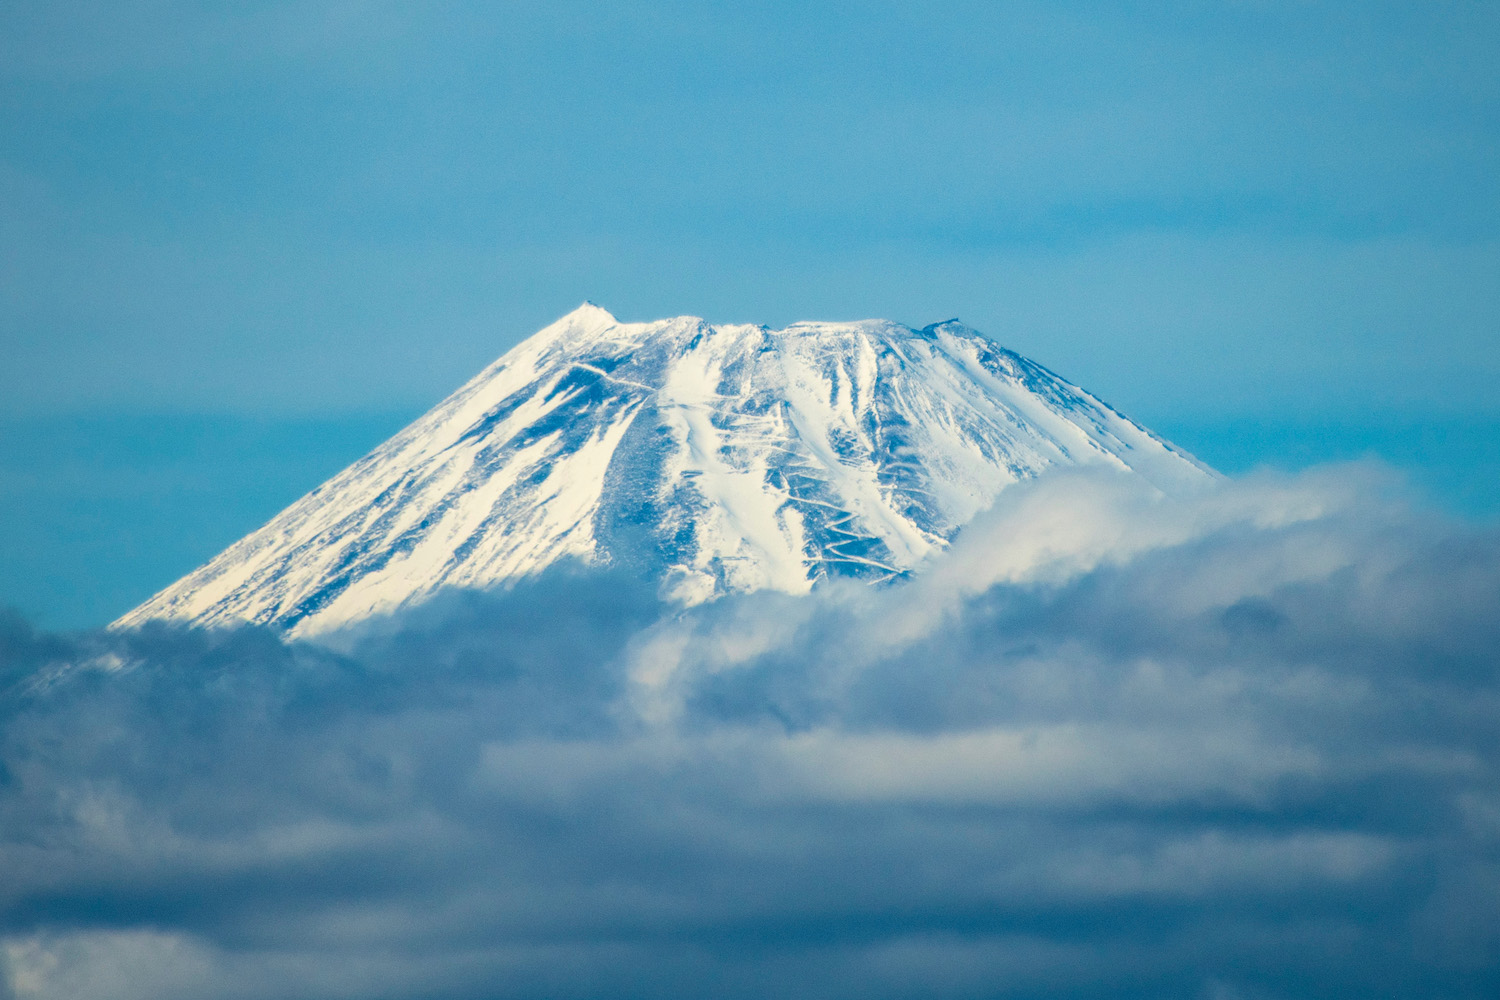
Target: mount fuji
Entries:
(711, 458)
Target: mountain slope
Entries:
(717, 458)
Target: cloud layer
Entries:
(1239, 745)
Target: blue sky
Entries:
(242, 243)
(1243, 750)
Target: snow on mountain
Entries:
(715, 458)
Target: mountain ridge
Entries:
(715, 458)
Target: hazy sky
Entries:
(260, 236)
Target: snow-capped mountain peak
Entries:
(715, 458)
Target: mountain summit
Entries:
(713, 458)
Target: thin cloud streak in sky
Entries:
(1239, 745)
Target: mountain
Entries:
(713, 458)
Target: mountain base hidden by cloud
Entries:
(1243, 744)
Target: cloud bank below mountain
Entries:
(1238, 745)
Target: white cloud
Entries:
(1112, 744)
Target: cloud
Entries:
(1242, 744)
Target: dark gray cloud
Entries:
(1239, 745)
